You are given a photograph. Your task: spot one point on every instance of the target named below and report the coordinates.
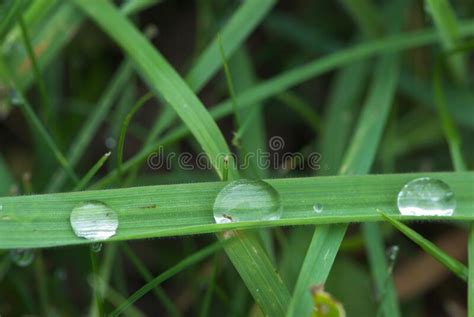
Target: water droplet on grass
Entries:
(247, 200)
(94, 221)
(96, 247)
(22, 257)
(318, 208)
(426, 197)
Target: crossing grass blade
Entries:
(90, 174)
(459, 269)
(188, 261)
(37, 126)
(6, 179)
(242, 23)
(147, 276)
(470, 284)
(357, 160)
(447, 26)
(96, 117)
(165, 210)
(384, 285)
(163, 79)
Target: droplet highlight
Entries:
(22, 257)
(94, 221)
(247, 200)
(318, 208)
(96, 247)
(426, 196)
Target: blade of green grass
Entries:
(140, 102)
(95, 118)
(381, 273)
(459, 269)
(43, 220)
(5, 178)
(422, 92)
(91, 173)
(242, 23)
(447, 26)
(451, 134)
(357, 160)
(302, 108)
(188, 261)
(296, 76)
(46, 107)
(163, 79)
(365, 15)
(9, 10)
(345, 93)
(37, 126)
(147, 276)
(470, 285)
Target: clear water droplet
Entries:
(94, 221)
(392, 253)
(247, 200)
(22, 257)
(318, 208)
(426, 197)
(15, 98)
(96, 247)
(110, 143)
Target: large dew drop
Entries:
(94, 221)
(247, 200)
(426, 197)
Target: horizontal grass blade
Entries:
(170, 210)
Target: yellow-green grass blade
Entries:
(357, 160)
(170, 210)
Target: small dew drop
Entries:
(247, 200)
(96, 247)
(426, 197)
(22, 257)
(110, 143)
(15, 98)
(318, 208)
(94, 221)
(1, 208)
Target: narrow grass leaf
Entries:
(163, 79)
(123, 130)
(357, 160)
(381, 272)
(187, 262)
(91, 173)
(447, 26)
(459, 269)
(171, 210)
(147, 276)
(94, 120)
